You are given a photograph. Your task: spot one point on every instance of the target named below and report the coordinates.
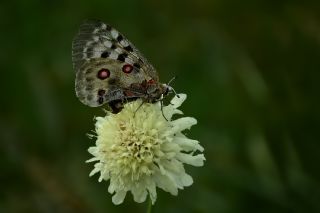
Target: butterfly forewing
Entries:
(106, 64)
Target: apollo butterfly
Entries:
(110, 70)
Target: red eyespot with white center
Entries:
(103, 74)
(127, 68)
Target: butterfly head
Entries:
(157, 91)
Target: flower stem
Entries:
(149, 205)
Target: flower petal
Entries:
(119, 197)
(196, 160)
(151, 186)
(188, 144)
(111, 187)
(139, 193)
(92, 160)
(95, 170)
(165, 183)
(169, 111)
(186, 180)
(178, 100)
(182, 124)
(93, 150)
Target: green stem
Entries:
(149, 205)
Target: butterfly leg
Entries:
(143, 101)
(161, 104)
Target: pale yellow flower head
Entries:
(139, 150)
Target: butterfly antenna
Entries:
(171, 88)
(171, 80)
(178, 96)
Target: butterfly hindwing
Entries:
(91, 89)
(99, 81)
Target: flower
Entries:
(142, 148)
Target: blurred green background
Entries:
(251, 72)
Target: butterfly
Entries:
(111, 70)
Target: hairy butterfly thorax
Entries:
(110, 70)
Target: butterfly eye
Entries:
(127, 68)
(103, 74)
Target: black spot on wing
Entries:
(119, 38)
(100, 100)
(122, 57)
(136, 65)
(113, 46)
(105, 54)
(128, 48)
(108, 27)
